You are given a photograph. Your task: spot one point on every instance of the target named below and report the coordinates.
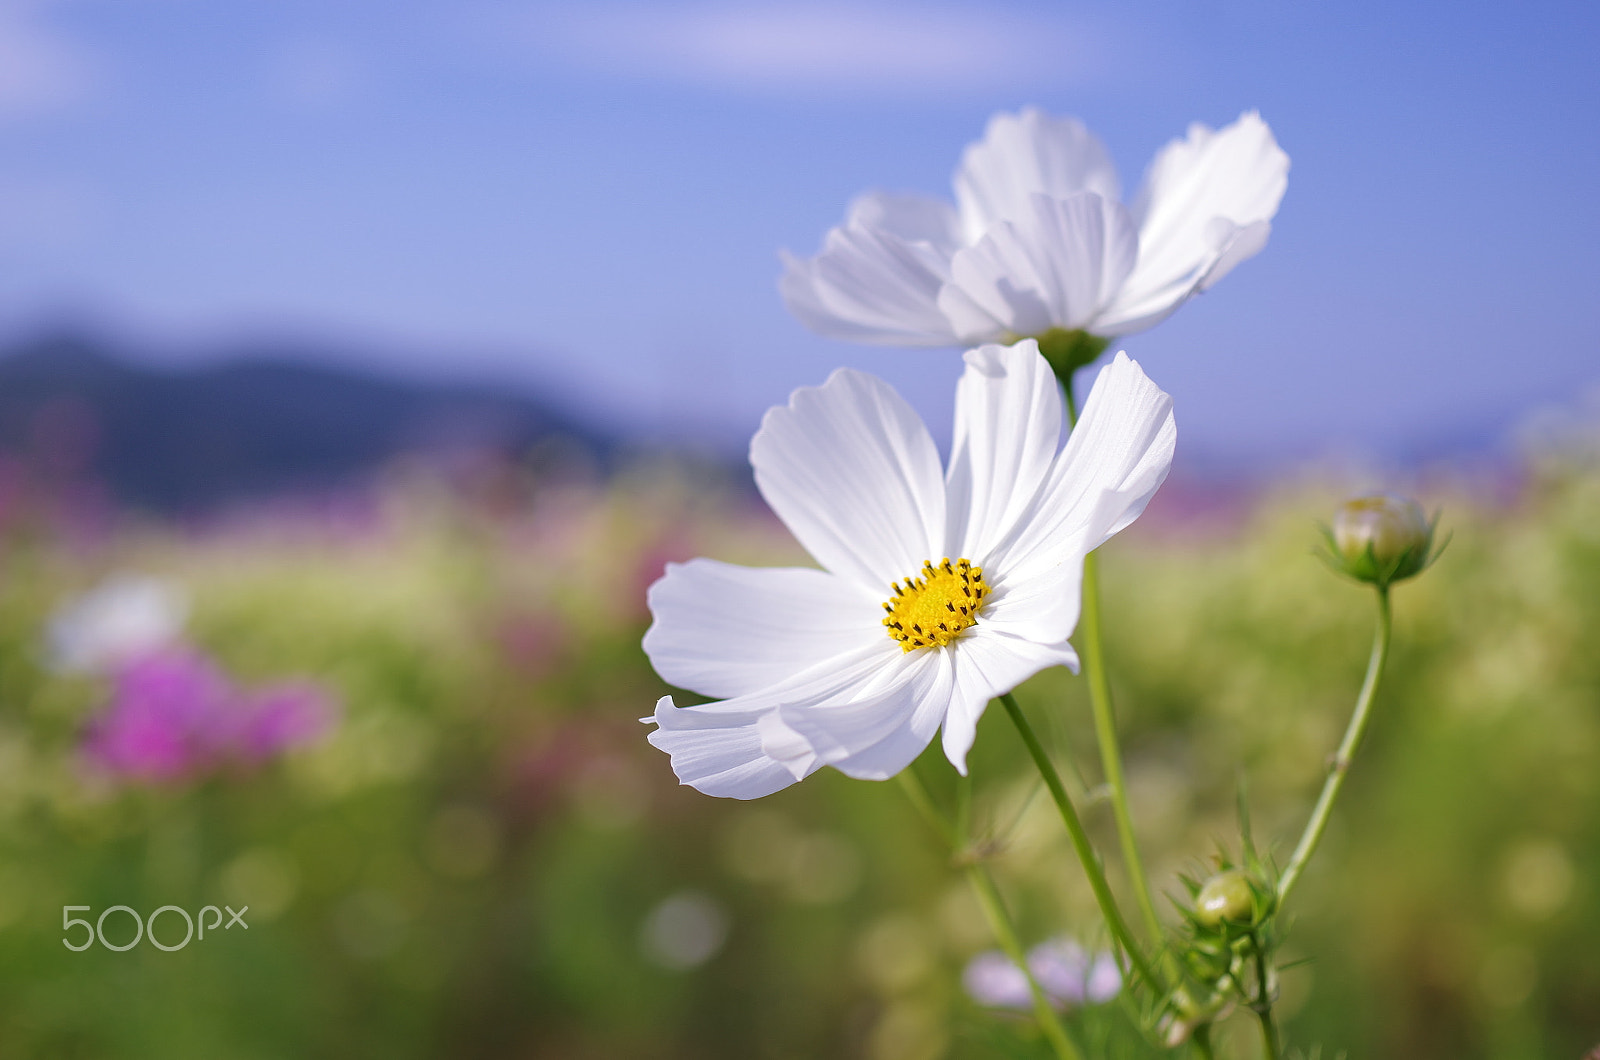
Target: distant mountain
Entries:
(258, 426)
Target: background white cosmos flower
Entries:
(808, 673)
(1038, 239)
(124, 616)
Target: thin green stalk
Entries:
(1080, 843)
(1202, 1042)
(1072, 399)
(1105, 727)
(1006, 935)
(911, 784)
(1105, 720)
(1270, 1043)
(994, 909)
(963, 829)
(1269, 1035)
(1347, 749)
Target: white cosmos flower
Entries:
(1038, 238)
(124, 616)
(807, 672)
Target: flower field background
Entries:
(484, 857)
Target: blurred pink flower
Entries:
(174, 715)
(531, 643)
(282, 716)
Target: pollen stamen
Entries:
(946, 600)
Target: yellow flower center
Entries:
(936, 607)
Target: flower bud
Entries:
(1382, 538)
(1227, 896)
(1183, 1016)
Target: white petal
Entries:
(870, 285)
(852, 471)
(1236, 175)
(738, 748)
(718, 754)
(1239, 244)
(1023, 154)
(724, 630)
(989, 663)
(1115, 459)
(1042, 606)
(913, 218)
(1057, 267)
(1007, 432)
(881, 728)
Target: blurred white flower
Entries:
(125, 616)
(1068, 976)
(1038, 239)
(684, 931)
(813, 672)
(991, 978)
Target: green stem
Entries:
(1080, 843)
(1006, 935)
(963, 827)
(911, 784)
(1270, 1044)
(994, 910)
(1105, 719)
(1105, 727)
(1202, 1042)
(1347, 749)
(1269, 1035)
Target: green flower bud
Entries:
(1382, 538)
(1226, 897)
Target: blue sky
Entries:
(589, 198)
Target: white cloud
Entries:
(818, 48)
(40, 69)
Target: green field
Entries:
(486, 858)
